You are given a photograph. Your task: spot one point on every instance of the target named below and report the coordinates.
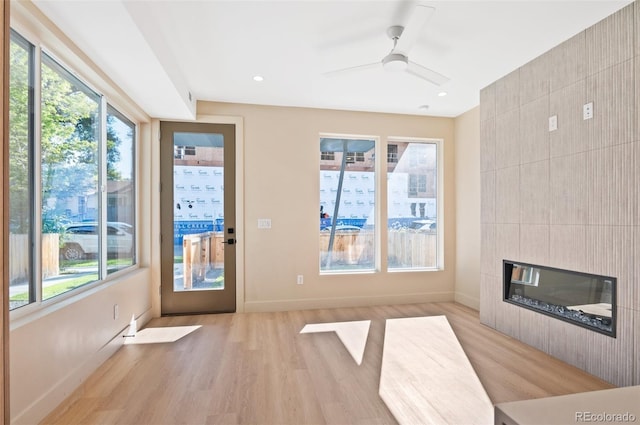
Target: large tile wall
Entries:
(568, 198)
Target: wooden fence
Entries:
(406, 248)
(205, 251)
(201, 252)
(19, 247)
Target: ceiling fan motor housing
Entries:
(395, 62)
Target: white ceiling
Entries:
(159, 51)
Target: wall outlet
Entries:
(587, 111)
(553, 123)
(300, 280)
(116, 312)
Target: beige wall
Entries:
(281, 163)
(569, 198)
(56, 345)
(467, 179)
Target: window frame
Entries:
(32, 134)
(110, 99)
(377, 185)
(381, 164)
(440, 218)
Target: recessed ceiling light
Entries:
(258, 78)
(442, 93)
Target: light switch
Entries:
(553, 123)
(264, 223)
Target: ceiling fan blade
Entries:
(419, 17)
(426, 74)
(352, 68)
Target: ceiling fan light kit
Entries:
(395, 62)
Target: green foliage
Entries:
(69, 141)
(19, 140)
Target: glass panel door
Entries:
(198, 212)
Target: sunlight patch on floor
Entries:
(427, 378)
(160, 335)
(352, 334)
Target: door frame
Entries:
(238, 122)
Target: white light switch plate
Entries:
(264, 223)
(553, 123)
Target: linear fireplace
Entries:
(580, 298)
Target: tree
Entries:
(19, 132)
(68, 144)
(69, 141)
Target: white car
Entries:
(81, 239)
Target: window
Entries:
(347, 206)
(21, 92)
(84, 233)
(70, 131)
(412, 207)
(327, 156)
(392, 153)
(181, 151)
(353, 157)
(120, 191)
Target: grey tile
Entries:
(508, 93)
(534, 243)
(488, 197)
(637, 85)
(508, 195)
(534, 329)
(567, 248)
(488, 250)
(637, 22)
(534, 193)
(534, 79)
(612, 182)
(508, 139)
(612, 93)
(571, 135)
(610, 252)
(488, 145)
(490, 290)
(568, 63)
(610, 41)
(635, 288)
(508, 319)
(534, 130)
(636, 326)
(569, 189)
(567, 342)
(488, 102)
(612, 359)
(507, 245)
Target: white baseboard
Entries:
(57, 394)
(316, 303)
(470, 302)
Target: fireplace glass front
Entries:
(580, 298)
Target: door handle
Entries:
(230, 241)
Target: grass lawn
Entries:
(50, 291)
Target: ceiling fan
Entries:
(404, 37)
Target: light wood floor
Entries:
(255, 368)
